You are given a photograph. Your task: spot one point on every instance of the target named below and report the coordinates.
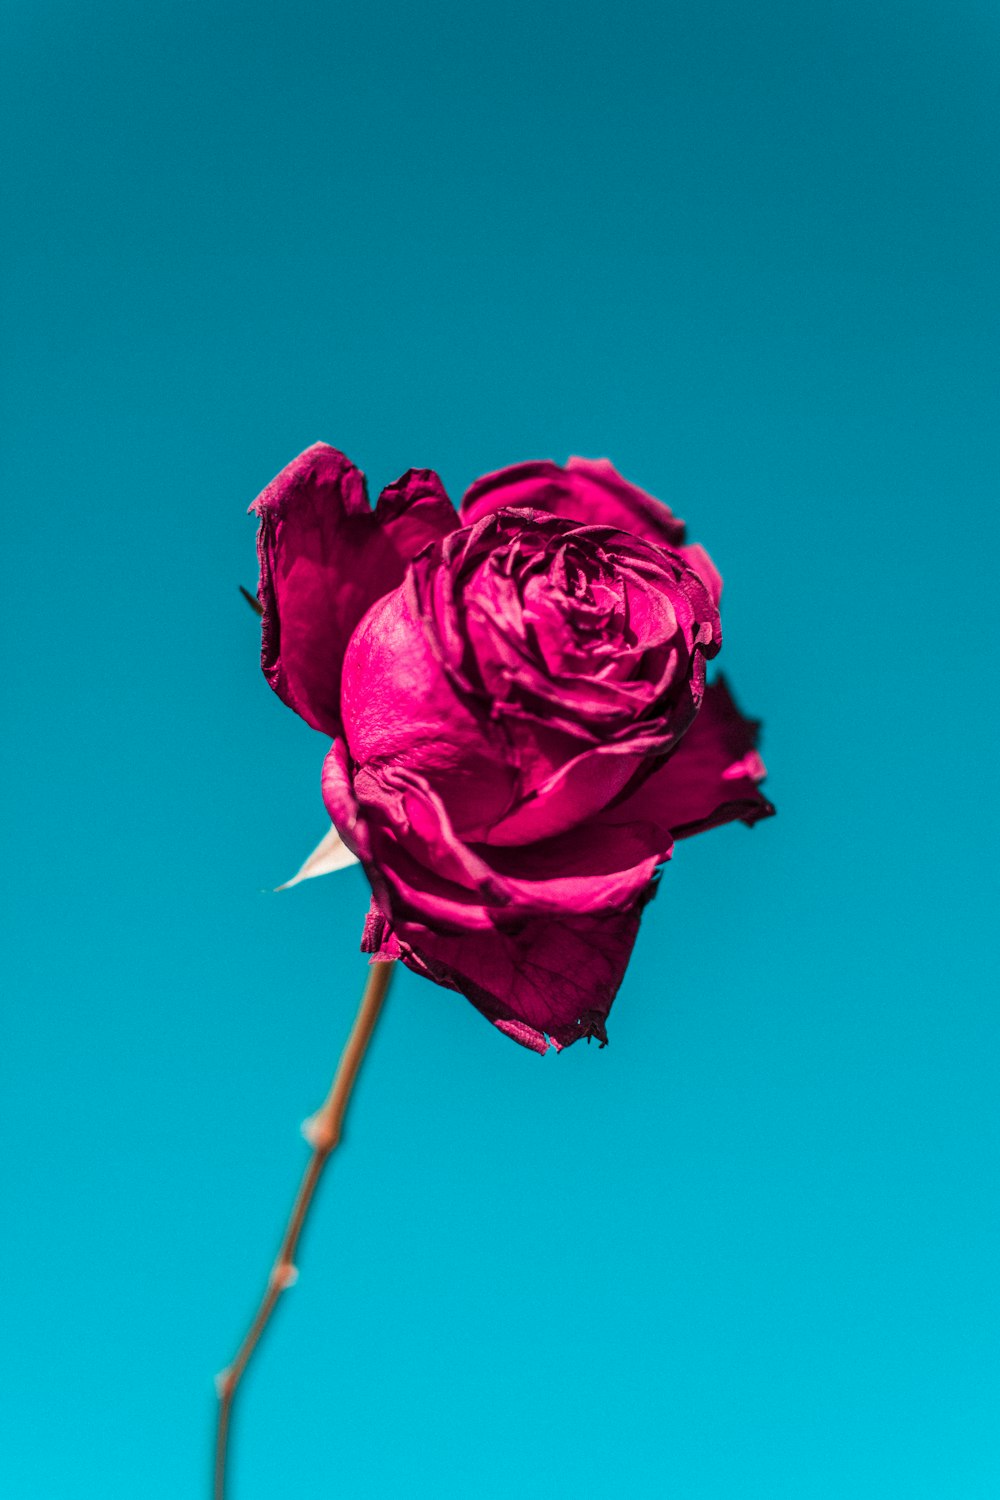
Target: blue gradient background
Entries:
(750, 254)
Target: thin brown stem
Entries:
(323, 1134)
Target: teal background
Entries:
(750, 254)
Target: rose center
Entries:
(575, 609)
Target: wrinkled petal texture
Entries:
(529, 667)
(592, 491)
(325, 557)
(551, 981)
(543, 955)
(713, 776)
(587, 490)
(539, 955)
(520, 717)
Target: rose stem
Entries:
(322, 1132)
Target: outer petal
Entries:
(572, 795)
(554, 977)
(698, 559)
(426, 874)
(589, 490)
(711, 778)
(399, 706)
(325, 557)
(539, 944)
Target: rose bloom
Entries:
(520, 719)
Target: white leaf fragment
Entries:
(330, 854)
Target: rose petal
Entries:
(415, 511)
(554, 977)
(442, 676)
(399, 705)
(410, 848)
(589, 490)
(378, 938)
(571, 795)
(711, 778)
(331, 853)
(325, 557)
(697, 558)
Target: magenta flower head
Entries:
(520, 719)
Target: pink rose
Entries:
(521, 725)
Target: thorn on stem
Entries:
(253, 603)
(284, 1276)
